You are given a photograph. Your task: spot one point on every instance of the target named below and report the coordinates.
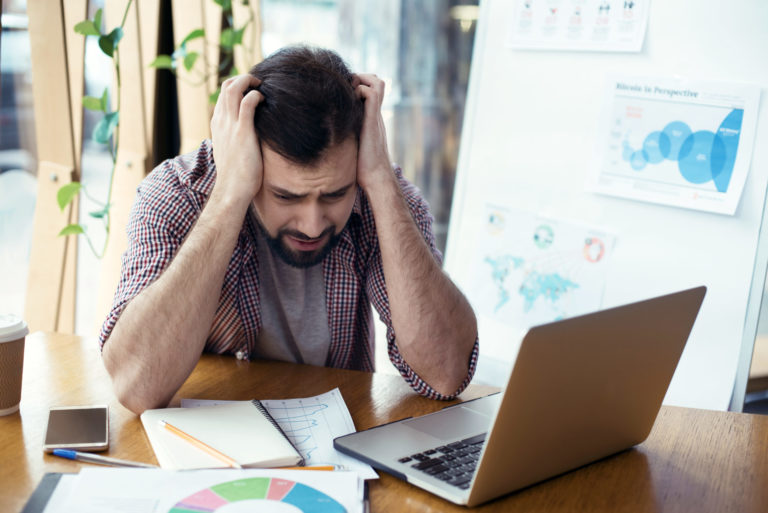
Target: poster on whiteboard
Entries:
(584, 25)
(680, 143)
(531, 269)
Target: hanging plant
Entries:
(230, 38)
(105, 132)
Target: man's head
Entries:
(309, 103)
(308, 125)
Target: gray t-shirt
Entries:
(294, 314)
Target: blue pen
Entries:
(95, 458)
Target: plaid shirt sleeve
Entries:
(377, 293)
(162, 214)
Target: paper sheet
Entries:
(678, 142)
(113, 490)
(311, 423)
(529, 269)
(585, 25)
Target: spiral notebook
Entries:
(243, 430)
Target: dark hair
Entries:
(309, 103)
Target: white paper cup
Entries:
(13, 331)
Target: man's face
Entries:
(303, 210)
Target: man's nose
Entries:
(311, 221)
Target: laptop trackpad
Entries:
(452, 423)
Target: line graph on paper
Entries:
(311, 423)
(299, 420)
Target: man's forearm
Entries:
(161, 333)
(434, 324)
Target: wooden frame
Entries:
(58, 59)
(58, 56)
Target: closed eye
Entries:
(285, 196)
(334, 196)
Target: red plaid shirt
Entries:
(169, 201)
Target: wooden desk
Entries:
(694, 460)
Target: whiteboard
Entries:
(528, 140)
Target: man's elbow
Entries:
(130, 396)
(449, 388)
(128, 388)
(136, 403)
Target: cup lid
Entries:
(12, 327)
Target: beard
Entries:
(294, 257)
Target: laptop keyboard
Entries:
(453, 463)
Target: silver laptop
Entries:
(581, 389)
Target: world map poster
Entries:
(531, 270)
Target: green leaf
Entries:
(67, 193)
(104, 99)
(104, 128)
(71, 229)
(226, 5)
(98, 214)
(197, 33)
(227, 39)
(97, 20)
(92, 103)
(106, 45)
(116, 35)
(189, 60)
(163, 62)
(87, 28)
(233, 72)
(214, 97)
(239, 35)
(109, 42)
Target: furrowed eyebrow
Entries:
(288, 194)
(292, 195)
(338, 192)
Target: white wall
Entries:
(528, 141)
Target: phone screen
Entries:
(80, 428)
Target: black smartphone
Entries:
(79, 428)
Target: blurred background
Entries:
(421, 48)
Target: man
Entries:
(273, 240)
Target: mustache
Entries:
(303, 236)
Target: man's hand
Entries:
(435, 326)
(236, 150)
(373, 164)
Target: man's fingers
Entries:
(232, 90)
(248, 106)
(372, 103)
(373, 82)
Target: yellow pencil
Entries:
(315, 467)
(201, 445)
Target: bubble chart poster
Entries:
(675, 142)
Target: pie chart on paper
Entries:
(263, 494)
